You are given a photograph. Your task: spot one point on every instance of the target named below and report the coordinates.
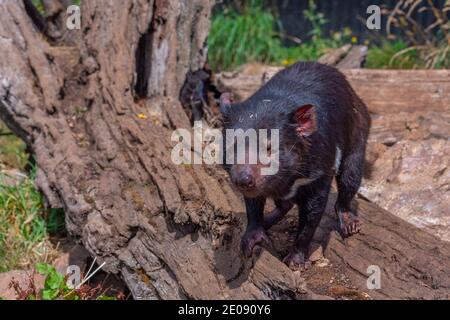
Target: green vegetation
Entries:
(393, 55)
(428, 42)
(38, 4)
(56, 288)
(24, 225)
(12, 150)
(54, 284)
(237, 38)
(251, 35)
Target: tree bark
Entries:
(99, 115)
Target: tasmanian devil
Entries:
(323, 127)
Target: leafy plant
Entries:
(55, 288)
(54, 285)
(317, 20)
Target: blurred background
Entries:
(414, 33)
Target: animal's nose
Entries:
(245, 181)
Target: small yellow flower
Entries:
(354, 39)
(287, 62)
(142, 116)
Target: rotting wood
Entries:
(170, 231)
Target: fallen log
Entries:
(345, 57)
(413, 264)
(393, 91)
(333, 57)
(99, 118)
(384, 91)
(355, 59)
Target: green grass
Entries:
(393, 55)
(237, 38)
(12, 150)
(24, 226)
(251, 36)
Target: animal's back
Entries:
(308, 79)
(339, 109)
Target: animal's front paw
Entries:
(252, 238)
(296, 261)
(349, 224)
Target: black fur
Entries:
(342, 121)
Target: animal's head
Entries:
(264, 143)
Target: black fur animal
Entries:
(323, 133)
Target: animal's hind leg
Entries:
(348, 182)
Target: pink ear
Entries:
(305, 117)
(226, 100)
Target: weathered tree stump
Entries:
(99, 115)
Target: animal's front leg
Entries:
(255, 233)
(313, 200)
(281, 208)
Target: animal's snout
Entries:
(244, 177)
(245, 180)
